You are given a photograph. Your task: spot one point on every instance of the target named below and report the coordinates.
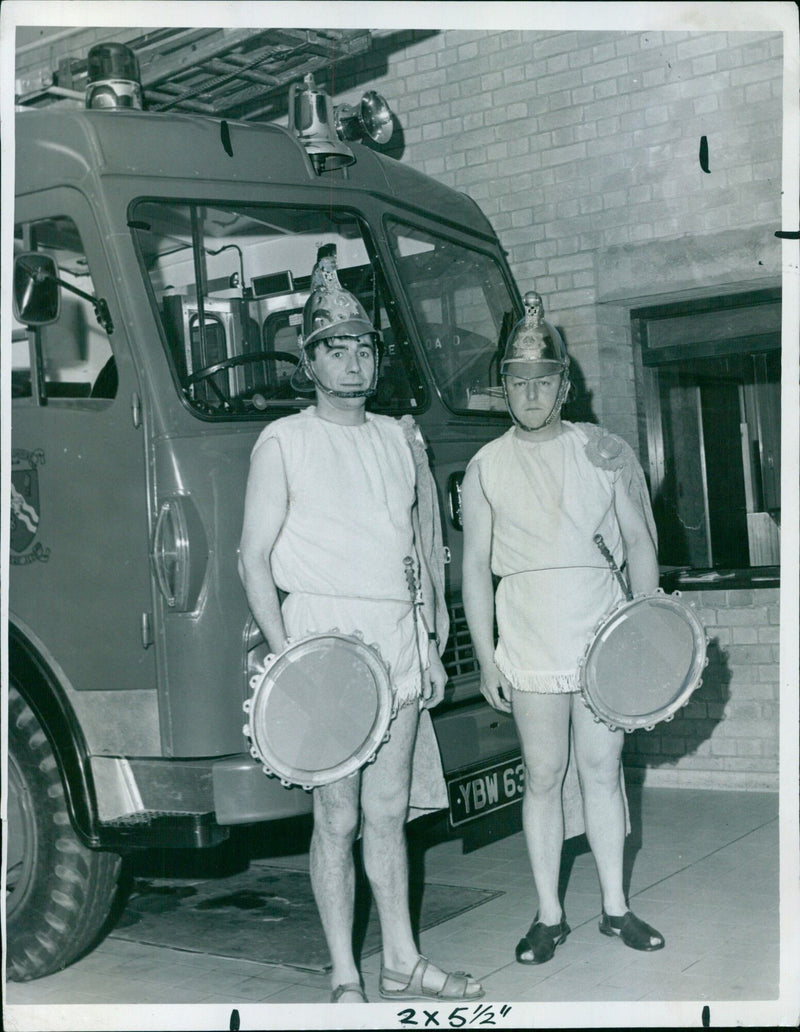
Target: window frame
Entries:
(654, 358)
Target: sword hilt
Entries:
(609, 558)
(414, 588)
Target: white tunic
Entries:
(548, 500)
(340, 556)
(348, 528)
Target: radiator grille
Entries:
(459, 658)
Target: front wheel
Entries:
(59, 894)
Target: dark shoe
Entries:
(541, 940)
(347, 987)
(633, 931)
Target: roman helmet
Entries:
(536, 343)
(332, 311)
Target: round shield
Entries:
(643, 662)
(319, 710)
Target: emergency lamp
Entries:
(371, 117)
(112, 79)
(322, 129)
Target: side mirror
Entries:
(37, 299)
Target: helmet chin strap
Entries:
(561, 397)
(366, 392)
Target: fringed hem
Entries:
(534, 681)
(406, 697)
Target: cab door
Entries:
(79, 573)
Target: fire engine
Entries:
(161, 265)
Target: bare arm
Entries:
(478, 589)
(640, 549)
(265, 505)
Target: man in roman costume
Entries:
(337, 498)
(533, 501)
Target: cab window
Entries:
(463, 310)
(228, 283)
(70, 359)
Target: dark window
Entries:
(712, 397)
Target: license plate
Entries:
(484, 790)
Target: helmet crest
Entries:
(332, 311)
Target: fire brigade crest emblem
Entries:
(25, 508)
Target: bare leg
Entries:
(543, 725)
(333, 874)
(597, 752)
(384, 802)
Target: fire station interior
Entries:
(228, 284)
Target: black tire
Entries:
(59, 894)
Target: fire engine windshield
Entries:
(228, 283)
(463, 310)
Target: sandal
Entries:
(348, 987)
(633, 931)
(413, 987)
(541, 940)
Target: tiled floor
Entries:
(703, 869)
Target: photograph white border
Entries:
(699, 17)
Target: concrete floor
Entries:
(703, 869)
